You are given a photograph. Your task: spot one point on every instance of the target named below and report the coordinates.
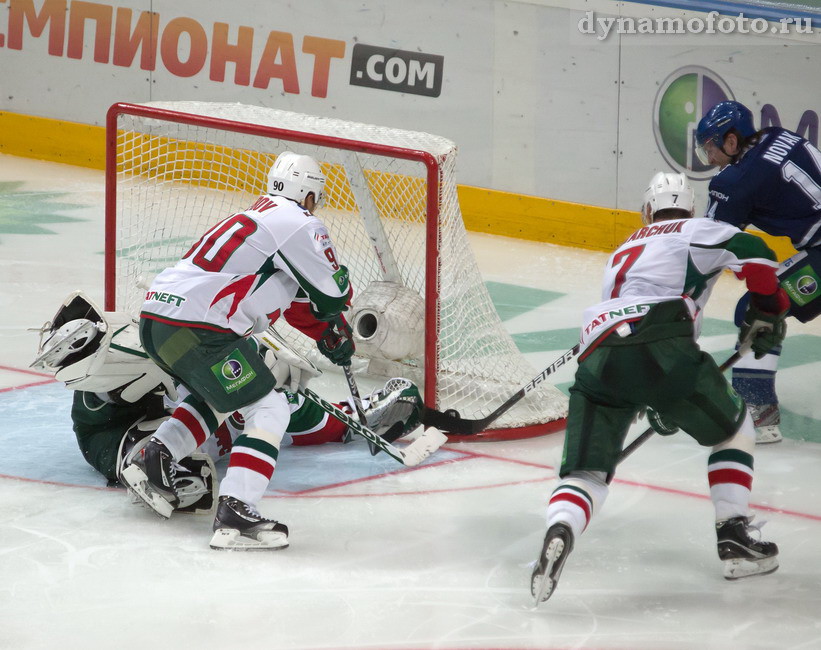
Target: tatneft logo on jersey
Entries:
(398, 70)
(233, 372)
(616, 314)
(682, 99)
(169, 298)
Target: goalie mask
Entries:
(667, 192)
(99, 352)
(294, 177)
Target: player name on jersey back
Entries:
(656, 229)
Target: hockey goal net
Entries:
(174, 169)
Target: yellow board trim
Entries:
(562, 222)
(483, 210)
(71, 143)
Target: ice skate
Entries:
(744, 556)
(766, 419)
(150, 475)
(558, 543)
(240, 527)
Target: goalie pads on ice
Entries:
(98, 352)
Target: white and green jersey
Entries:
(248, 269)
(669, 260)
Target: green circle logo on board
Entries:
(683, 98)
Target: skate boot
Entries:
(558, 543)
(240, 527)
(131, 445)
(744, 556)
(766, 419)
(150, 475)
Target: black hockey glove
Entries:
(337, 342)
(659, 425)
(763, 330)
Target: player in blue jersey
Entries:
(770, 179)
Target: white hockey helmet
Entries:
(667, 191)
(294, 176)
(100, 352)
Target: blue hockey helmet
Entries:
(718, 121)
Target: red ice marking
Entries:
(695, 495)
(58, 483)
(467, 455)
(49, 379)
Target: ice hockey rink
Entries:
(383, 556)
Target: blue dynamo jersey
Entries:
(775, 186)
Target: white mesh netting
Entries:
(176, 179)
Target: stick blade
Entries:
(421, 448)
(451, 422)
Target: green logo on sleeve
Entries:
(233, 372)
(341, 278)
(802, 286)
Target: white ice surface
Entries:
(381, 556)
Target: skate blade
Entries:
(230, 539)
(547, 584)
(741, 568)
(140, 490)
(767, 435)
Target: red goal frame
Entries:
(432, 236)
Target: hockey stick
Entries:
(451, 422)
(357, 400)
(353, 389)
(411, 455)
(644, 437)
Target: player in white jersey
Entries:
(121, 397)
(274, 259)
(638, 351)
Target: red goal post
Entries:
(174, 169)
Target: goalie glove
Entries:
(392, 411)
(764, 330)
(290, 369)
(660, 426)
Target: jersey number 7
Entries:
(626, 258)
